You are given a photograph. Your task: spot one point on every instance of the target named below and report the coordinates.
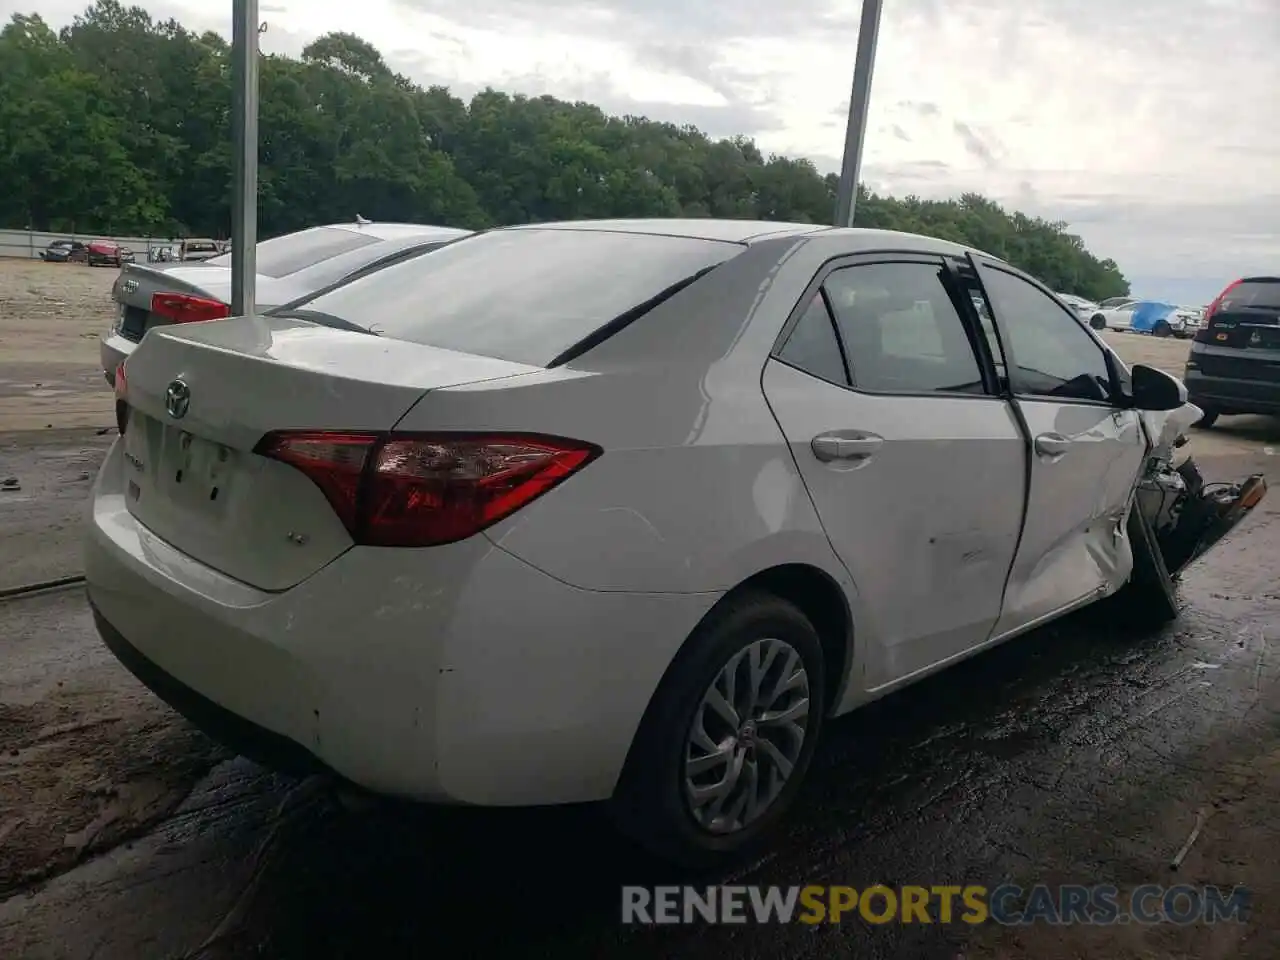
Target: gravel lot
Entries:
(50, 319)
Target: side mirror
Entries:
(1156, 390)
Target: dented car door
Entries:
(1087, 451)
(915, 466)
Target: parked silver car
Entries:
(625, 510)
(290, 266)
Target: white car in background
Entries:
(1154, 317)
(1083, 308)
(290, 267)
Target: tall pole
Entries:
(244, 134)
(856, 130)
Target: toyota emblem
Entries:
(177, 399)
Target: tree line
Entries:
(120, 124)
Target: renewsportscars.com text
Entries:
(1008, 904)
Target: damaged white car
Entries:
(624, 511)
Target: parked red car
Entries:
(107, 253)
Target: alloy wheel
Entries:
(747, 736)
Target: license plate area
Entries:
(197, 472)
(194, 475)
(133, 322)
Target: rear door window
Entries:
(525, 295)
(901, 331)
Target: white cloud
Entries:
(1148, 125)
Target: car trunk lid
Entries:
(202, 396)
(139, 282)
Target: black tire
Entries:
(649, 804)
(1208, 418)
(1149, 600)
(1162, 329)
(1098, 322)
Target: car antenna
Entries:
(361, 221)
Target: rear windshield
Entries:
(281, 256)
(1254, 293)
(524, 295)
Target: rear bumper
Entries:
(457, 674)
(246, 738)
(1232, 395)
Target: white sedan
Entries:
(625, 510)
(289, 267)
(1082, 307)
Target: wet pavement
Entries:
(1078, 754)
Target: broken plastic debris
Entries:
(1186, 847)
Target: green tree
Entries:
(121, 123)
(63, 157)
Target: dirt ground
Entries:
(88, 759)
(50, 318)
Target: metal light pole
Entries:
(244, 133)
(856, 130)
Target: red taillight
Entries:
(419, 490)
(184, 308)
(1205, 333)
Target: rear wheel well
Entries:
(819, 598)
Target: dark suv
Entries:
(1234, 366)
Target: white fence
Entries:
(27, 244)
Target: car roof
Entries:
(395, 231)
(758, 231)
(694, 228)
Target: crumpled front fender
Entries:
(1190, 516)
(1166, 427)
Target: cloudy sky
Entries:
(1149, 125)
